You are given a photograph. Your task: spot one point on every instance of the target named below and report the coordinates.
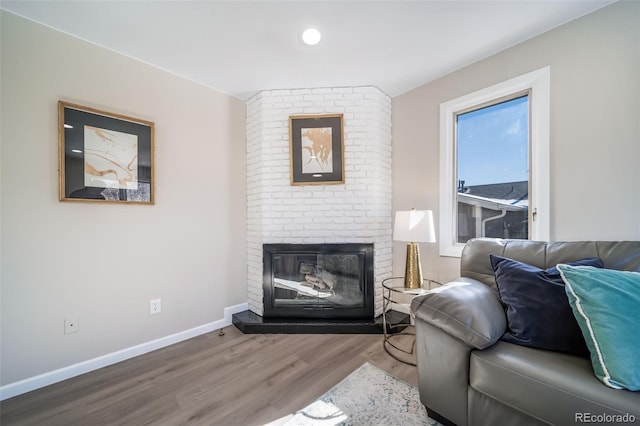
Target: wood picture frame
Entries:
(104, 157)
(316, 149)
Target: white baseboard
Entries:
(51, 377)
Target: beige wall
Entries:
(595, 130)
(100, 262)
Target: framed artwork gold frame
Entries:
(316, 149)
(104, 157)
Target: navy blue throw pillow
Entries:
(537, 306)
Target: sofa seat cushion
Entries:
(551, 386)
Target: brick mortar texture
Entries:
(358, 211)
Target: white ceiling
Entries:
(242, 47)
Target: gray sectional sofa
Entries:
(468, 376)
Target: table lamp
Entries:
(414, 226)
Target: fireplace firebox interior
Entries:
(318, 280)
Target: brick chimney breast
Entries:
(358, 211)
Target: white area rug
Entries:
(367, 397)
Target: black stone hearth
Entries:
(251, 323)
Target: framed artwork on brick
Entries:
(316, 149)
(104, 157)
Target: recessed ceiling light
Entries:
(311, 36)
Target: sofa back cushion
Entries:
(475, 262)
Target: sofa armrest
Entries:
(465, 309)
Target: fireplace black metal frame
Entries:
(319, 310)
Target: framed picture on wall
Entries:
(316, 149)
(104, 157)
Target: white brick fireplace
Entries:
(358, 211)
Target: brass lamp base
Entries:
(413, 269)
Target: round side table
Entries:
(394, 327)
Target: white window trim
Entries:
(539, 84)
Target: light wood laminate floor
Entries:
(235, 379)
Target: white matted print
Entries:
(317, 152)
(110, 159)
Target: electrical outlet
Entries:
(71, 325)
(155, 306)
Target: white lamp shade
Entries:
(414, 226)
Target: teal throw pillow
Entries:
(606, 304)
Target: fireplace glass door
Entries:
(325, 280)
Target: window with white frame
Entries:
(494, 163)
